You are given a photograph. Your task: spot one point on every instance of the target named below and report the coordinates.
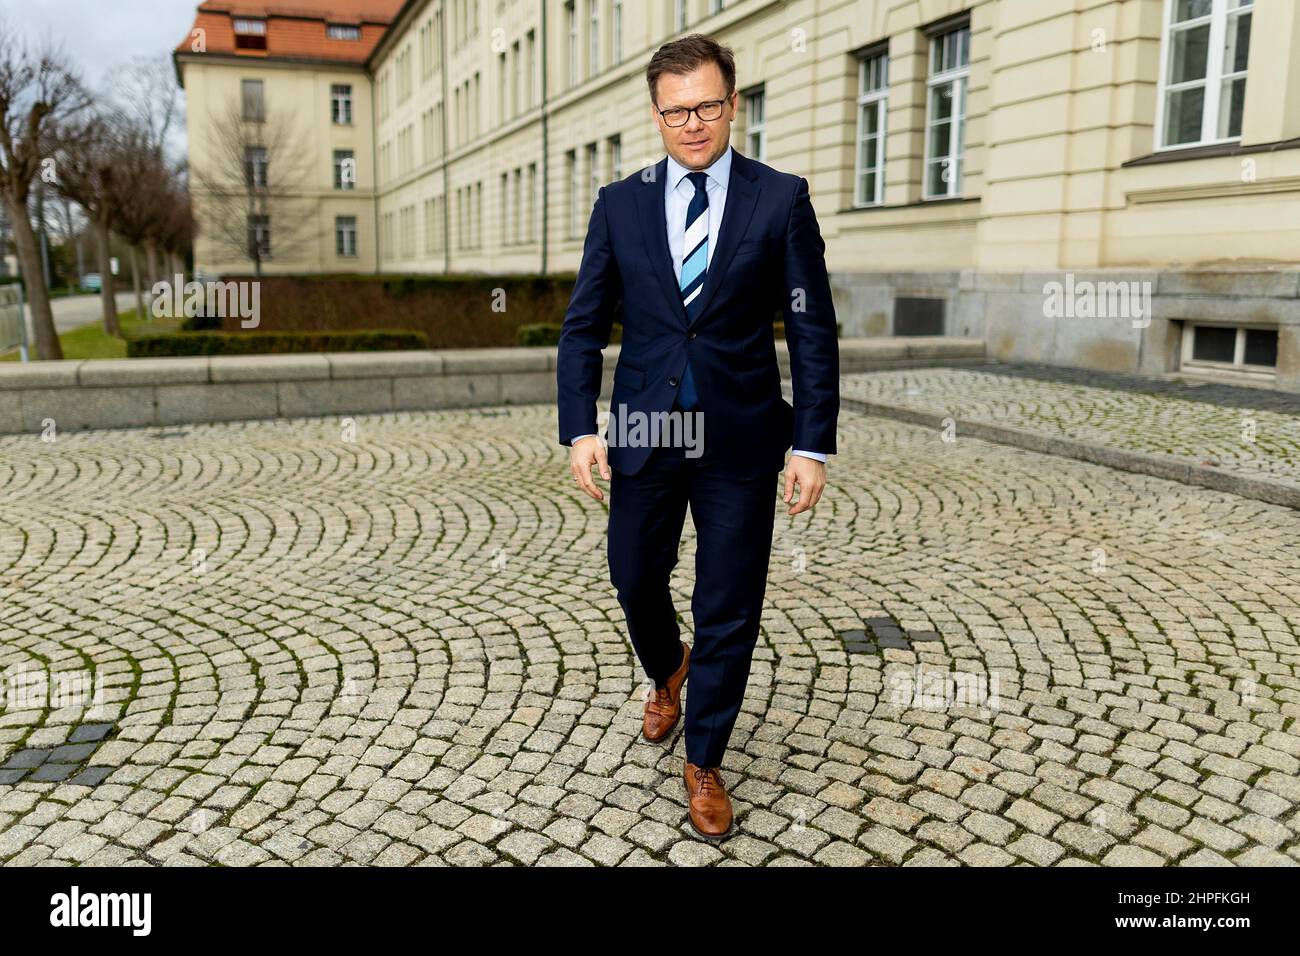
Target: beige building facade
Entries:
(1111, 184)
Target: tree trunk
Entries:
(44, 337)
(135, 281)
(107, 297)
(154, 274)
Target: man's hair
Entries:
(682, 56)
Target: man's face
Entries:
(696, 144)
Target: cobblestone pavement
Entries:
(404, 649)
(1256, 440)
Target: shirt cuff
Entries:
(814, 455)
(574, 441)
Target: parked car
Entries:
(92, 282)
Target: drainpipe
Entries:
(446, 147)
(546, 150)
(374, 165)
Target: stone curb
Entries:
(132, 393)
(1260, 489)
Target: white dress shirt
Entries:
(677, 201)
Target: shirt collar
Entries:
(720, 171)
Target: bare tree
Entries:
(146, 93)
(251, 196)
(38, 95)
(89, 160)
(138, 188)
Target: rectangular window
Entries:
(593, 173)
(615, 158)
(873, 102)
(1203, 92)
(1230, 348)
(756, 124)
(345, 236)
(571, 25)
(505, 208)
(408, 232)
(616, 34)
(259, 237)
(593, 38)
(571, 217)
(679, 15)
(252, 95)
(345, 169)
(250, 34)
(945, 126)
(516, 208)
(341, 104)
(255, 167)
(339, 31)
(534, 199)
(531, 67)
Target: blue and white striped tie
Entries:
(695, 263)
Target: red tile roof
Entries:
(295, 29)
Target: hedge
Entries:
(269, 343)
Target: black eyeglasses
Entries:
(707, 111)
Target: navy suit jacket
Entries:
(770, 255)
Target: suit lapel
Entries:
(742, 197)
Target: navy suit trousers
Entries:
(733, 520)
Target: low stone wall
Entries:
(1007, 312)
(120, 393)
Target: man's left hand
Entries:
(810, 475)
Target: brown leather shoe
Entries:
(664, 708)
(710, 807)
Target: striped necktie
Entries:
(695, 263)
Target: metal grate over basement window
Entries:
(914, 315)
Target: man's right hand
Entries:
(585, 453)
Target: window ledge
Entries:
(1211, 152)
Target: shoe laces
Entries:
(707, 778)
(662, 701)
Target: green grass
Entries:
(90, 341)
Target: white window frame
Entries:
(616, 33)
(341, 104)
(959, 77)
(342, 31)
(257, 163)
(1214, 80)
(571, 17)
(593, 37)
(756, 129)
(249, 27)
(345, 237)
(876, 98)
(1238, 363)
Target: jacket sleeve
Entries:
(586, 329)
(810, 330)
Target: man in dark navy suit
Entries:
(703, 249)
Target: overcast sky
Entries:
(100, 36)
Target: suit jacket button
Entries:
(690, 335)
(672, 381)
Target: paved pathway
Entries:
(404, 649)
(1249, 432)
